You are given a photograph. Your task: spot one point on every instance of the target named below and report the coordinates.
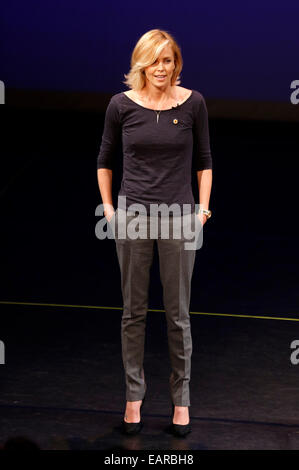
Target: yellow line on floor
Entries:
(260, 317)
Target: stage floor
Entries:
(62, 385)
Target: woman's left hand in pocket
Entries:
(202, 217)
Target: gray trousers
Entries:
(176, 267)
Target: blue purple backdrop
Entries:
(230, 49)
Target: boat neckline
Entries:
(161, 110)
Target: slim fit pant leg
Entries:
(135, 260)
(176, 269)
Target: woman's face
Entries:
(160, 72)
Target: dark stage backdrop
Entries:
(232, 51)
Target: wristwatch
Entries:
(207, 212)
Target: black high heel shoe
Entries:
(180, 430)
(133, 428)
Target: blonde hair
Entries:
(146, 51)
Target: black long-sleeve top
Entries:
(159, 149)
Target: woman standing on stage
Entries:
(164, 132)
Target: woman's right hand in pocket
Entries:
(109, 213)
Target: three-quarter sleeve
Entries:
(111, 136)
(201, 139)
